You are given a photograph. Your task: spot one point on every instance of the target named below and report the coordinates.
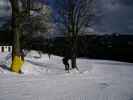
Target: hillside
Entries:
(45, 79)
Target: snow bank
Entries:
(5, 62)
(1, 70)
(34, 63)
(5, 58)
(33, 54)
(29, 68)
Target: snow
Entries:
(45, 79)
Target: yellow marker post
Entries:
(17, 64)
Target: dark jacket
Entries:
(65, 61)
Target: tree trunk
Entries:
(16, 44)
(73, 61)
(74, 53)
(16, 53)
(15, 27)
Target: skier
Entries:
(66, 63)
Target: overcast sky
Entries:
(117, 15)
(4, 11)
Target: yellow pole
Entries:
(17, 64)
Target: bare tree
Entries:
(15, 26)
(20, 12)
(74, 16)
(17, 17)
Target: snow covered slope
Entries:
(45, 79)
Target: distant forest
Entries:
(100, 47)
(113, 47)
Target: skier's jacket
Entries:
(65, 61)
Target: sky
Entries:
(4, 11)
(117, 15)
